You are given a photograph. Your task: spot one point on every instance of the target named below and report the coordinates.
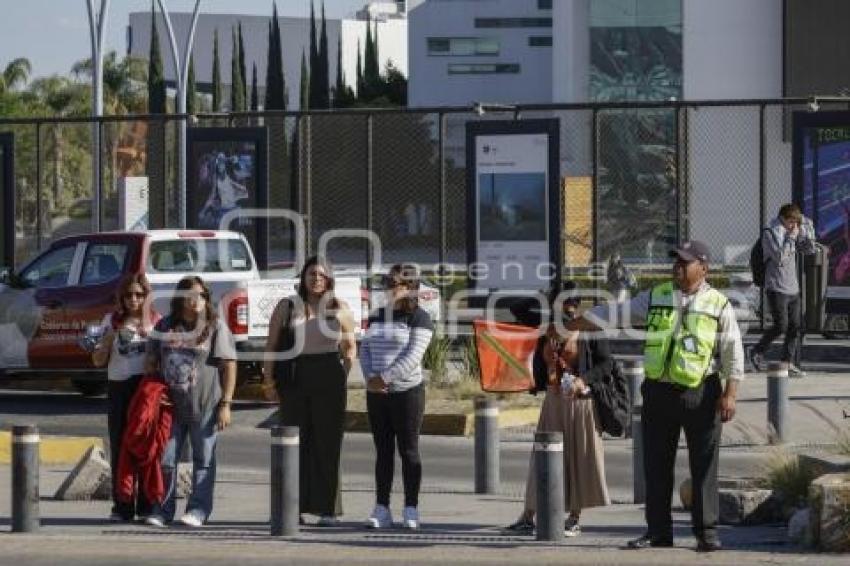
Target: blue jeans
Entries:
(203, 437)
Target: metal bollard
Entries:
(638, 472)
(777, 403)
(633, 371)
(25, 496)
(285, 499)
(486, 445)
(549, 465)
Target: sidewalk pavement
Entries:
(457, 527)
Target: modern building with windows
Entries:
(388, 18)
(462, 51)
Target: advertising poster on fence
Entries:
(822, 187)
(227, 174)
(513, 204)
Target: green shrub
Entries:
(787, 478)
(436, 357)
(471, 369)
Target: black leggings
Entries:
(397, 418)
(119, 395)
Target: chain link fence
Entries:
(635, 179)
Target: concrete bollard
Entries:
(25, 495)
(549, 465)
(638, 472)
(285, 496)
(777, 403)
(633, 372)
(486, 445)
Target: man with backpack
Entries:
(786, 235)
(692, 342)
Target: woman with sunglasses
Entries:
(122, 350)
(391, 357)
(194, 352)
(309, 357)
(566, 365)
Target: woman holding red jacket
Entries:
(122, 350)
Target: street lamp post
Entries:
(97, 30)
(181, 71)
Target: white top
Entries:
(127, 357)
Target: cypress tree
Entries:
(304, 92)
(315, 73)
(371, 70)
(339, 84)
(324, 65)
(237, 89)
(255, 99)
(360, 84)
(191, 88)
(275, 83)
(243, 72)
(216, 76)
(156, 77)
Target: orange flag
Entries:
(505, 353)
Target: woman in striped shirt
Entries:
(391, 357)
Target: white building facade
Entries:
(387, 17)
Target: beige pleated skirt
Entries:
(584, 455)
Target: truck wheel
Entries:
(88, 388)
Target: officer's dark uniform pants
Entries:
(668, 408)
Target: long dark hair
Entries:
(408, 275)
(120, 314)
(332, 301)
(178, 302)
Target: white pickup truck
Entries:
(47, 305)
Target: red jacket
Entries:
(145, 436)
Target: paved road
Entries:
(448, 461)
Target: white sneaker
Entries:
(381, 518)
(191, 520)
(410, 518)
(155, 521)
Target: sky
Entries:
(54, 34)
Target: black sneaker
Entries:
(571, 527)
(755, 358)
(647, 541)
(522, 527)
(708, 544)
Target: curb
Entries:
(53, 449)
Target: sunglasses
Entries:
(132, 295)
(394, 283)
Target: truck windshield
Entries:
(199, 256)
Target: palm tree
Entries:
(124, 82)
(15, 74)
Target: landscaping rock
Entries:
(798, 526)
(748, 506)
(85, 479)
(820, 464)
(830, 518)
(184, 479)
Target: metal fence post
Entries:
(285, 501)
(486, 445)
(549, 466)
(633, 370)
(777, 403)
(25, 496)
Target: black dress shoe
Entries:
(647, 541)
(708, 544)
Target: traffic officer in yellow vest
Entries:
(692, 342)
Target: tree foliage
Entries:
(216, 75)
(275, 81)
(156, 76)
(237, 87)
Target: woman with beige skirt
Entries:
(566, 366)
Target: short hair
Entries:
(791, 211)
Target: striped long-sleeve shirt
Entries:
(394, 345)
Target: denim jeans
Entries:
(203, 437)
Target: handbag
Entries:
(284, 370)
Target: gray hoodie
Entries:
(780, 255)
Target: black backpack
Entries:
(611, 401)
(757, 261)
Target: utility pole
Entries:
(181, 70)
(97, 30)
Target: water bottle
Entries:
(566, 381)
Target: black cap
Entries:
(693, 250)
